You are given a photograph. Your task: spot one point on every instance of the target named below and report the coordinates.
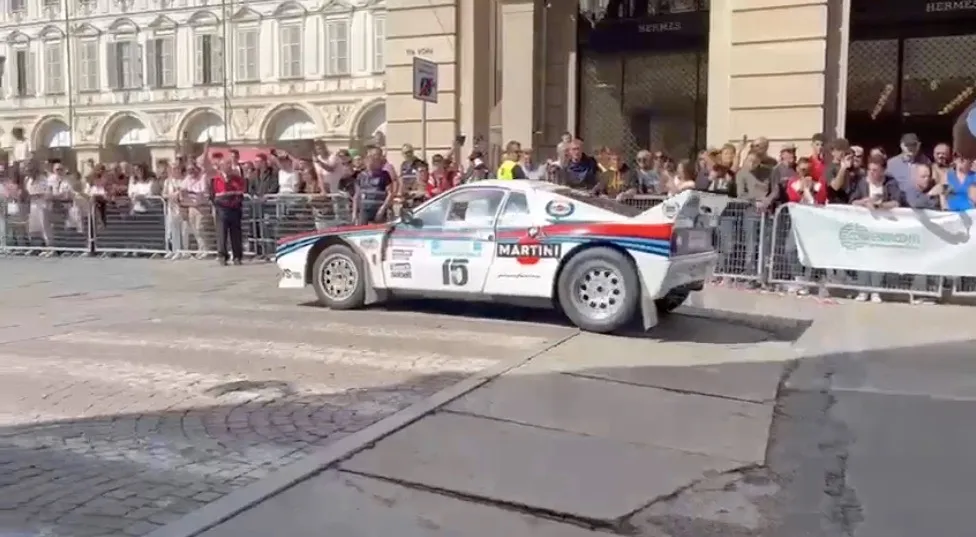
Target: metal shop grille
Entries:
(644, 101)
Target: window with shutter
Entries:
(88, 66)
(208, 51)
(53, 67)
(136, 65)
(3, 76)
(216, 59)
(30, 74)
(291, 51)
(112, 65)
(18, 6)
(199, 55)
(379, 44)
(337, 34)
(247, 54)
(167, 52)
(153, 60)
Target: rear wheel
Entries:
(339, 279)
(599, 290)
(671, 301)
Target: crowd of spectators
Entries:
(38, 197)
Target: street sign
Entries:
(424, 80)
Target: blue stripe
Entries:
(652, 246)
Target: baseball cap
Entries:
(791, 147)
(407, 148)
(910, 139)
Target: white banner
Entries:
(902, 241)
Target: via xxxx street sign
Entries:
(424, 80)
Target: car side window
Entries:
(467, 208)
(516, 212)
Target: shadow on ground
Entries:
(677, 327)
(130, 474)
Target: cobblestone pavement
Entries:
(133, 392)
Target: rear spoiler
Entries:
(686, 206)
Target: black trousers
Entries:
(229, 228)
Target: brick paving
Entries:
(134, 392)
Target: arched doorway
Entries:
(200, 127)
(371, 129)
(293, 130)
(910, 69)
(126, 139)
(52, 140)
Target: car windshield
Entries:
(606, 204)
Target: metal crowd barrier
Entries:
(756, 247)
(153, 226)
(783, 268)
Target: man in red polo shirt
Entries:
(227, 189)
(817, 157)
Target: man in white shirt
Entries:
(21, 147)
(331, 168)
(287, 176)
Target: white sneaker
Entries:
(170, 255)
(923, 301)
(876, 298)
(861, 297)
(200, 256)
(803, 291)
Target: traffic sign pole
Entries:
(424, 90)
(423, 130)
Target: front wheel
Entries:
(671, 301)
(599, 290)
(339, 279)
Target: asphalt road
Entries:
(872, 436)
(133, 392)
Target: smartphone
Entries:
(460, 139)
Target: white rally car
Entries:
(522, 242)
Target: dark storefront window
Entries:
(911, 69)
(643, 79)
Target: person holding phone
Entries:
(879, 191)
(843, 174)
(960, 185)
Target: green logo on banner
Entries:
(855, 236)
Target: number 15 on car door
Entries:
(455, 273)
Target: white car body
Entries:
(511, 242)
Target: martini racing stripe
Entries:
(655, 247)
(655, 238)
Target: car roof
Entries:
(520, 185)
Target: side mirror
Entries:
(406, 216)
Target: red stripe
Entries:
(611, 229)
(330, 231)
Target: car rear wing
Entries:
(691, 208)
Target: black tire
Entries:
(591, 259)
(358, 297)
(671, 301)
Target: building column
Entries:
(557, 62)
(474, 72)
(768, 71)
(450, 33)
(518, 78)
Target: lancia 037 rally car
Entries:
(599, 261)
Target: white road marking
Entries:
(420, 363)
(449, 335)
(142, 377)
